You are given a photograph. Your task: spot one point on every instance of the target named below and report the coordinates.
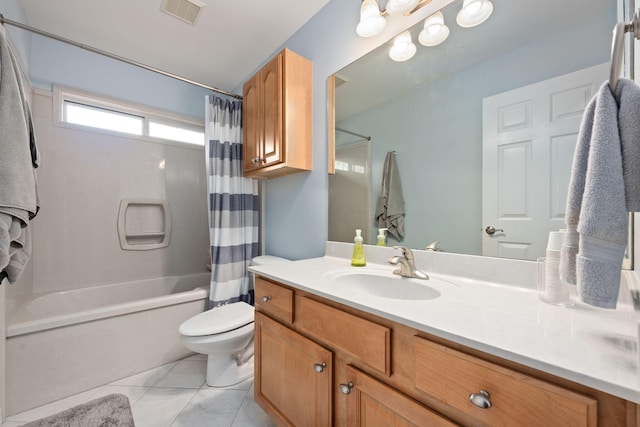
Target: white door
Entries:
(529, 136)
(349, 190)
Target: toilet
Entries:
(225, 335)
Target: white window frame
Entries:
(63, 94)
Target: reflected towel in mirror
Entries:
(390, 203)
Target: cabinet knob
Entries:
(266, 298)
(319, 367)
(481, 400)
(346, 388)
(255, 160)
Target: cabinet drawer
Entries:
(274, 299)
(360, 338)
(516, 399)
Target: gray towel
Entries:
(390, 203)
(603, 187)
(18, 159)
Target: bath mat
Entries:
(108, 411)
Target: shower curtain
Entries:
(233, 204)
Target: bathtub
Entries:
(63, 343)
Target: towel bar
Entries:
(617, 46)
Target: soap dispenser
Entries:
(358, 259)
(382, 237)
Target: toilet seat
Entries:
(218, 320)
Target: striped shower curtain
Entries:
(233, 204)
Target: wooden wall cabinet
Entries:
(277, 117)
(376, 372)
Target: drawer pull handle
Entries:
(481, 400)
(346, 388)
(266, 298)
(319, 367)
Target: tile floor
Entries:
(173, 395)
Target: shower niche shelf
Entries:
(144, 224)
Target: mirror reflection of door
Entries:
(349, 190)
(529, 136)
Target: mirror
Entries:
(442, 112)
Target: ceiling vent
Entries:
(185, 10)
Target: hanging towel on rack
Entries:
(390, 203)
(18, 159)
(604, 183)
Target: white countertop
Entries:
(584, 344)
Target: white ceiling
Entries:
(230, 40)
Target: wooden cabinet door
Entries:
(251, 124)
(293, 375)
(271, 84)
(371, 403)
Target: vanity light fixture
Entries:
(371, 20)
(434, 31)
(400, 7)
(403, 48)
(474, 12)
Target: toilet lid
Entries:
(267, 259)
(218, 320)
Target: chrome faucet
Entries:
(407, 264)
(433, 246)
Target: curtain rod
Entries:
(368, 138)
(3, 21)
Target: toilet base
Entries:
(223, 371)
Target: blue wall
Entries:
(53, 62)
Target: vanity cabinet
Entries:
(358, 369)
(276, 117)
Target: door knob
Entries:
(490, 230)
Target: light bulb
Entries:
(371, 22)
(472, 7)
(474, 12)
(403, 48)
(399, 7)
(434, 31)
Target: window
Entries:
(101, 118)
(106, 115)
(175, 133)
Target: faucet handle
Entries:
(406, 252)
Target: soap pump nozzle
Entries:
(382, 237)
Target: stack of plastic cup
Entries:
(552, 289)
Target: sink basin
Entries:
(385, 284)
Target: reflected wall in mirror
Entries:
(484, 124)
